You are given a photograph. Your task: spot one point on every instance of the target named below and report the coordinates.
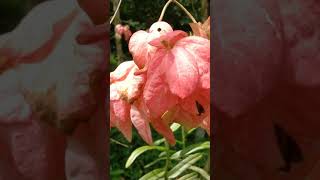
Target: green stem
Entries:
(166, 168)
(119, 143)
(183, 138)
(207, 166)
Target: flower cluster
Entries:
(123, 31)
(167, 81)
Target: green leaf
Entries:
(195, 177)
(116, 172)
(159, 141)
(175, 126)
(162, 154)
(136, 153)
(202, 172)
(184, 164)
(195, 147)
(191, 130)
(188, 176)
(153, 175)
(154, 162)
(176, 155)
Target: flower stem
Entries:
(186, 11)
(164, 10)
(166, 168)
(115, 13)
(183, 138)
(181, 6)
(207, 166)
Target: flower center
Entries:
(166, 44)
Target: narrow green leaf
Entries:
(154, 162)
(162, 154)
(202, 172)
(184, 164)
(187, 176)
(176, 155)
(195, 147)
(137, 152)
(159, 141)
(175, 126)
(195, 177)
(191, 130)
(153, 175)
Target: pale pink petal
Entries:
(157, 95)
(134, 85)
(129, 88)
(121, 71)
(200, 48)
(163, 129)
(140, 121)
(168, 40)
(138, 47)
(182, 73)
(122, 118)
(141, 51)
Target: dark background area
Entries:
(12, 11)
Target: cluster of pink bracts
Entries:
(167, 81)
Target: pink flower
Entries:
(138, 44)
(179, 70)
(125, 90)
(177, 85)
(123, 31)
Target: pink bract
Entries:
(182, 64)
(125, 89)
(138, 44)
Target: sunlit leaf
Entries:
(183, 165)
(192, 175)
(153, 175)
(202, 172)
(195, 147)
(154, 162)
(175, 126)
(136, 153)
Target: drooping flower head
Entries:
(139, 46)
(177, 78)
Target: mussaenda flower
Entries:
(138, 44)
(125, 90)
(177, 79)
(180, 71)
